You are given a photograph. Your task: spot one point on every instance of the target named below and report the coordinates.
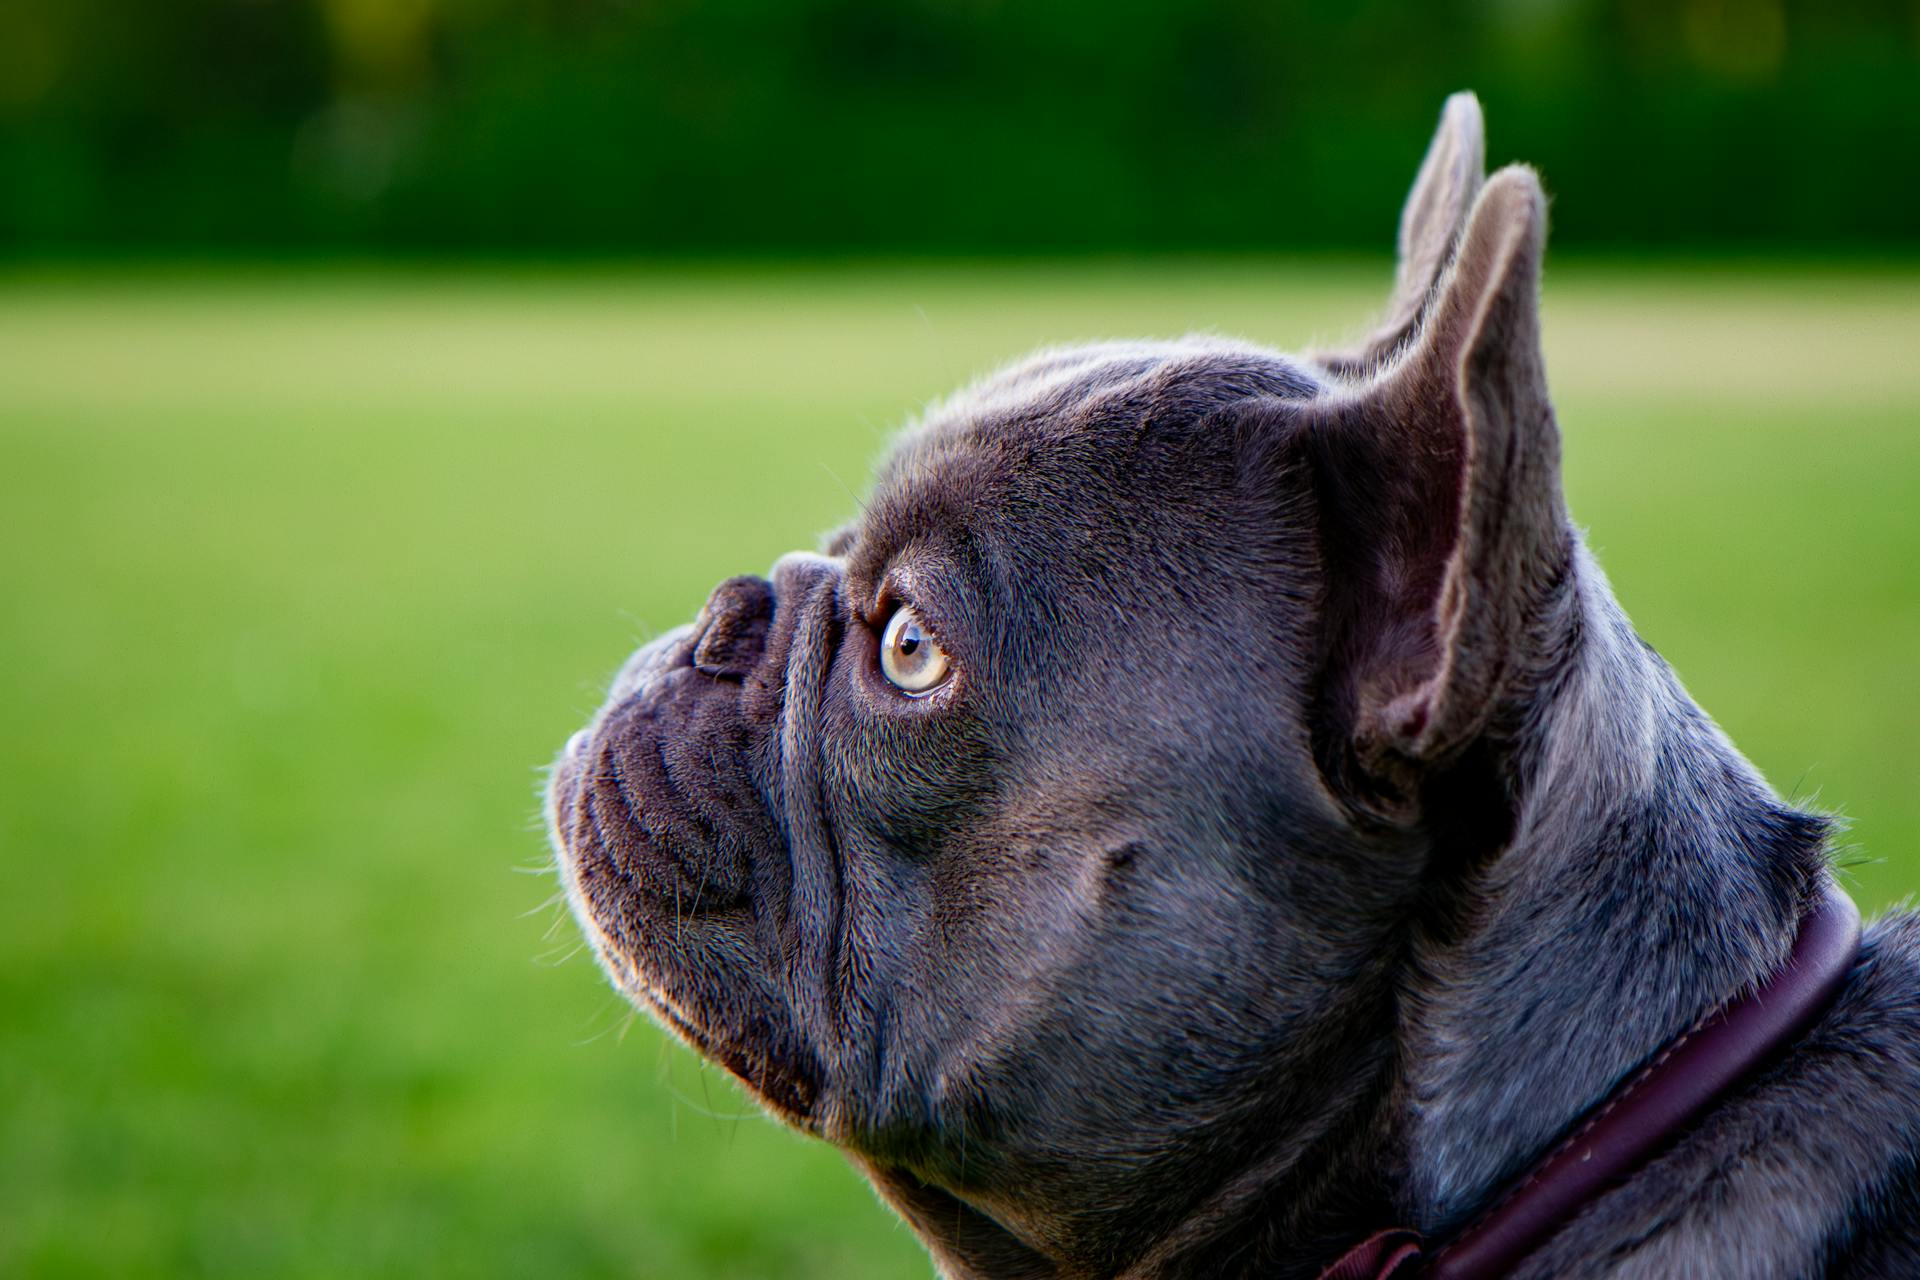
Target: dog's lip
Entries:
(563, 779)
(780, 1075)
(780, 1084)
(787, 1087)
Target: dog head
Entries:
(1049, 842)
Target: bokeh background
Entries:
(374, 373)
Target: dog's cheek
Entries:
(909, 780)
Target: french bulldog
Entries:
(1209, 806)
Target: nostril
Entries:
(732, 628)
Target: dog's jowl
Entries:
(1209, 810)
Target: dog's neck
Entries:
(1651, 874)
(1648, 875)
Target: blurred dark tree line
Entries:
(688, 126)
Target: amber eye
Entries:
(912, 661)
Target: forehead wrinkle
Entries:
(1082, 403)
(923, 542)
(1037, 433)
(1058, 378)
(933, 485)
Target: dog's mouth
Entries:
(790, 1091)
(660, 889)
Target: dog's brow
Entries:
(873, 547)
(866, 568)
(889, 567)
(931, 576)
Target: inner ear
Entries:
(1444, 534)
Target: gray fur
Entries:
(1304, 839)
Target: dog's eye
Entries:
(912, 661)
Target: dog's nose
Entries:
(732, 628)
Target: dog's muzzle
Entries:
(656, 792)
(674, 819)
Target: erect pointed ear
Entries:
(1430, 225)
(1446, 538)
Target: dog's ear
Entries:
(1430, 226)
(1443, 529)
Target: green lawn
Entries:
(307, 574)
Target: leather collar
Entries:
(1639, 1118)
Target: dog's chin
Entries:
(635, 944)
(783, 1087)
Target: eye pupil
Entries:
(909, 642)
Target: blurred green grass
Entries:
(308, 572)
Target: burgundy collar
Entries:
(1638, 1119)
